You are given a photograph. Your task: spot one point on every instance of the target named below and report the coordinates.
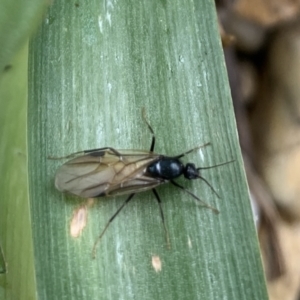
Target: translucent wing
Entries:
(107, 172)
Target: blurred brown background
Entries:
(261, 40)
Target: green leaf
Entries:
(17, 279)
(93, 66)
(18, 19)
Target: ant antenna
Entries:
(210, 167)
(205, 168)
(195, 197)
(211, 187)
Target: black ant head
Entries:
(190, 171)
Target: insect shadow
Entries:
(3, 268)
(109, 172)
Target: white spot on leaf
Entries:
(156, 263)
(79, 218)
(100, 23)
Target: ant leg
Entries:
(95, 152)
(101, 150)
(194, 149)
(108, 223)
(195, 197)
(162, 217)
(150, 128)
